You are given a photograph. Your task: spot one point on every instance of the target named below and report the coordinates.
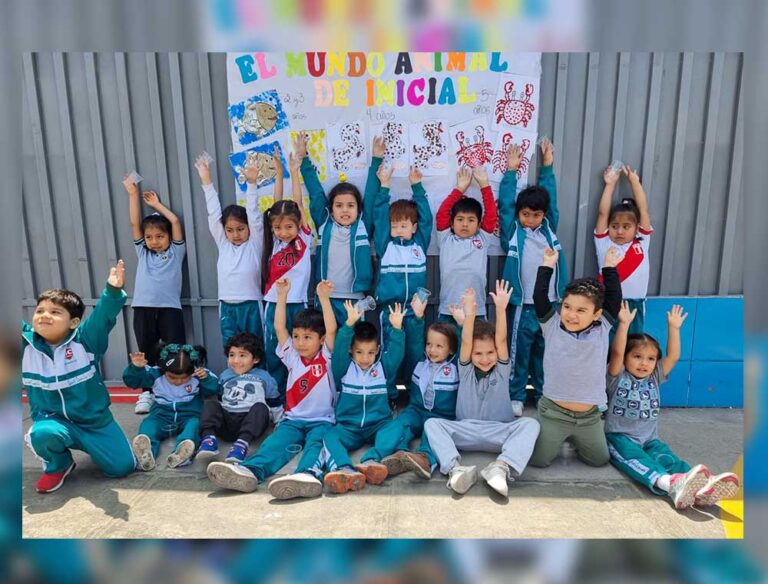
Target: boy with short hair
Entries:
(484, 418)
(246, 394)
(528, 225)
(402, 231)
(464, 233)
(576, 343)
(67, 396)
(309, 405)
(363, 406)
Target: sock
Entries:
(241, 442)
(663, 482)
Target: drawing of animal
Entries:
(515, 111)
(393, 142)
(434, 146)
(353, 146)
(476, 153)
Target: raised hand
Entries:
(151, 199)
(384, 173)
(502, 295)
(353, 315)
(138, 359)
(469, 302)
(514, 157)
(463, 178)
(631, 175)
(300, 144)
(414, 175)
(610, 177)
(116, 277)
(283, 286)
(378, 150)
(612, 257)
(547, 152)
(419, 307)
(396, 316)
(626, 316)
(324, 289)
(200, 373)
(203, 170)
(457, 312)
(131, 187)
(550, 258)
(480, 174)
(294, 163)
(676, 317)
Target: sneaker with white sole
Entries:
(718, 487)
(299, 485)
(683, 487)
(209, 448)
(182, 456)
(142, 450)
(517, 408)
(52, 481)
(461, 478)
(144, 403)
(497, 475)
(232, 476)
(418, 462)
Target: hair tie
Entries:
(342, 177)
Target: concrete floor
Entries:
(566, 500)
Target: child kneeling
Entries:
(179, 383)
(635, 372)
(485, 421)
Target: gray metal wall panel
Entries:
(659, 112)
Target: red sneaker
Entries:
(51, 481)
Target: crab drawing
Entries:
(476, 153)
(515, 111)
(499, 159)
(259, 119)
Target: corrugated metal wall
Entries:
(88, 118)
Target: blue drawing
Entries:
(262, 158)
(257, 117)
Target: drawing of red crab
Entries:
(475, 154)
(515, 111)
(499, 159)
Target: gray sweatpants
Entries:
(514, 440)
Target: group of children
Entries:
(327, 377)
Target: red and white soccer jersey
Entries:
(634, 269)
(310, 392)
(291, 261)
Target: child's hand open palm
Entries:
(676, 317)
(626, 316)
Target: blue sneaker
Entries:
(238, 452)
(209, 448)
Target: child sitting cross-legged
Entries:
(363, 406)
(635, 372)
(309, 401)
(246, 391)
(485, 421)
(179, 382)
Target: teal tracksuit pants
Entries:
(409, 359)
(343, 438)
(527, 352)
(398, 433)
(275, 367)
(52, 439)
(282, 445)
(645, 463)
(162, 423)
(240, 317)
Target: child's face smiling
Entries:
(306, 342)
(364, 353)
(53, 322)
(285, 229)
(465, 224)
(240, 361)
(578, 312)
(236, 231)
(402, 229)
(484, 355)
(622, 228)
(344, 209)
(640, 361)
(156, 239)
(437, 349)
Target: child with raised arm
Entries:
(180, 381)
(68, 400)
(484, 421)
(528, 224)
(576, 342)
(362, 410)
(626, 225)
(309, 406)
(343, 222)
(432, 394)
(156, 303)
(402, 231)
(464, 233)
(286, 256)
(239, 234)
(635, 372)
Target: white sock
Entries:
(663, 482)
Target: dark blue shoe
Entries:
(238, 452)
(209, 448)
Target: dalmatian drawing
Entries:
(353, 147)
(393, 142)
(434, 146)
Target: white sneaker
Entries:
(182, 456)
(144, 403)
(497, 475)
(517, 408)
(142, 450)
(461, 478)
(302, 484)
(683, 487)
(232, 476)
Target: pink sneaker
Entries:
(718, 487)
(683, 487)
